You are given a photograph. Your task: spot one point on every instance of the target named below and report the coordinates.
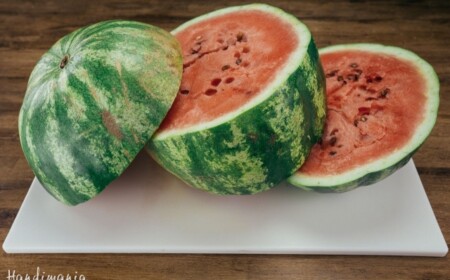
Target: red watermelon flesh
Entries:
(375, 103)
(228, 60)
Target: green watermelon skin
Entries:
(85, 119)
(366, 180)
(260, 147)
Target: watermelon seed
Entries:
(333, 132)
(331, 74)
(229, 80)
(237, 54)
(352, 77)
(384, 92)
(64, 61)
(184, 91)
(363, 119)
(340, 78)
(220, 41)
(245, 64)
(216, 82)
(378, 78)
(210, 91)
(238, 61)
(246, 50)
(353, 65)
(332, 141)
(241, 37)
(339, 146)
(332, 153)
(199, 37)
(370, 98)
(225, 67)
(369, 79)
(355, 122)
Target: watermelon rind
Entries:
(263, 142)
(93, 101)
(381, 168)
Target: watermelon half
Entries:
(382, 104)
(251, 102)
(93, 101)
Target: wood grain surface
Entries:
(29, 28)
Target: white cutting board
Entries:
(148, 210)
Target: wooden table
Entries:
(28, 29)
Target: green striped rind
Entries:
(82, 125)
(383, 167)
(253, 150)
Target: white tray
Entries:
(147, 210)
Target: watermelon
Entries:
(93, 101)
(382, 104)
(251, 102)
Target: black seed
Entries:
(216, 82)
(332, 153)
(355, 122)
(210, 92)
(333, 132)
(384, 92)
(331, 74)
(240, 36)
(238, 61)
(332, 141)
(229, 80)
(378, 78)
(352, 77)
(184, 91)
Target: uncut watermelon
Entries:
(93, 101)
(251, 102)
(382, 105)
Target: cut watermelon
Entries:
(92, 103)
(251, 102)
(382, 104)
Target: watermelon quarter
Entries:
(93, 101)
(382, 103)
(251, 102)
